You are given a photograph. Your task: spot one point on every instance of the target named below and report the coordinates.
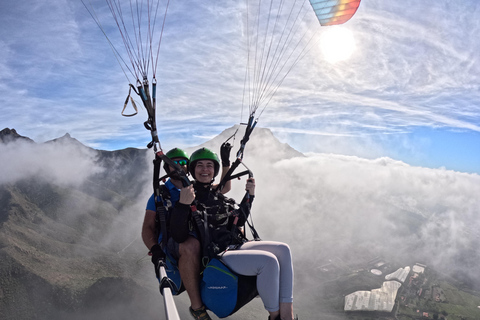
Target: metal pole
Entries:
(170, 308)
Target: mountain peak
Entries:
(262, 142)
(10, 135)
(67, 139)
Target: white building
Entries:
(401, 274)
(419, 268)
(382, 299)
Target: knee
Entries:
(285, 250)
(270, 264)
(190, 247)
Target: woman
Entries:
(270, 261)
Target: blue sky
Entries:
(409, 90)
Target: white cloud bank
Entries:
(325, 205)
(59, 163)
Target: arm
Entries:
(225, 156)
(179, 222)
(180, 217)
(149, 235)
(228, 184)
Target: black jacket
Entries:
(224, 217)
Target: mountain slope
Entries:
(62, 235)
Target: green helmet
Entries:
(203, 154)
(175, 153)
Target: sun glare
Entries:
(337, 44)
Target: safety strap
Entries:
(248, 198)
(246, 136)
(229, 175)
(201, 221)
(161, 211)
(159, 192)
(149, 102)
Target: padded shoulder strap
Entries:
(162, 205)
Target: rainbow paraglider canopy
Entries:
(331, 12)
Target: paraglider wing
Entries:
(331, 12)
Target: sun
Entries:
(337, 43)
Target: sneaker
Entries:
(200, 314)
(278, 318)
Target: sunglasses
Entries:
(180, 162)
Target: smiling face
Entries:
(204, 171)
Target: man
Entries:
(187, 254)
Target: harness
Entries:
(162, 207)
(222, 226)
(200, 215)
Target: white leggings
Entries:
(271, 262)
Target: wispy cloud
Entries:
(416, 66)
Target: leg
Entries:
(265, 266)
(274, 315)
(286, 310)
(284, 257)
(189, 267)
